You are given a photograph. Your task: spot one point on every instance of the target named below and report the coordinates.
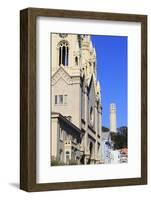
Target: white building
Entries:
(106, 147)
(109, 155)
(115, 156)
(76, 100)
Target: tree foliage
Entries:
(119, 138)
(105, 129)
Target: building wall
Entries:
(78, 82)
(73, 104)
(67, 139)
(54, 137)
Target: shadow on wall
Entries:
(16, 185)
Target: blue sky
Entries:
(111, 54)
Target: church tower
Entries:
(75, 100)
(66, 76)
(113, 117)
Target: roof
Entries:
(65, 120)
(124, 150)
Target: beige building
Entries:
(76, 101)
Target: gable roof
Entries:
(91, 81)
(95, 84)
(61, 73)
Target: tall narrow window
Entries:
(63, 53)
(60, 99)
(94, 67)
(60, 55)
(76, 60)
(65, 99)
(56, 99)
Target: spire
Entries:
(91, 45)
(94, 52)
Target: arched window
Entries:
(91, 116)
(76, 60)
(63, 53)
(94, 67)
(91, 148)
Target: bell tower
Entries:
(65, 52)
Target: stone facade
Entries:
(75, 101)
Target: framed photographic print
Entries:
(83, 99)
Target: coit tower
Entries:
(113, 117)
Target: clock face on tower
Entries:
(63, 35)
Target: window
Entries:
(63, 53)
(65, 99)
(76, 60)
(61, 154)
(56, 99)
(94, 66)
(60, 99)
(98, 147)
(91, 115)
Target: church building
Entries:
(76, 117)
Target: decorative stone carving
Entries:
(61, 73)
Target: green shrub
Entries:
(56, 162)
